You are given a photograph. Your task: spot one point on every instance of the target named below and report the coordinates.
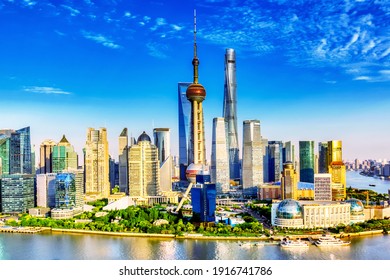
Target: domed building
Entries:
(288, 213)
(357, 210)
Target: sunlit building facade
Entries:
(162, 140)
(46, 190)
(64, 157)
(289, 181)
(306, 161)
(4, 154)
(323, 187)
(337, 169)
(185, 152)
(45, 160)
(20, 152)
(17, 193)
(69, 192)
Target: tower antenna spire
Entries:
(195, 61)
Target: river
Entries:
(355, 180)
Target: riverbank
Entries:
(203, 237)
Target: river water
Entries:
(51, 246)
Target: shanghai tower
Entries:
(230, 112)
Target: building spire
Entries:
(195, 61)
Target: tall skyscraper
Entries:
(97, 184)
(275, 160)
(289, 181)
(288, 152)
(264, 147)
(64, 157)
(185, 152)
(20, 152)
(45, 160)
(219, 156)
(306, 161)
(252, 157)
(144, 168)
(196, 93)
(337, 169)
(124, 161)
(203, 200)
(4, 154)
(46, 190)
(323, 187)
(323, 162)
(162, 140)
(230, 112)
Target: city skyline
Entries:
(78, 64)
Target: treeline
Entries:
(142, 219)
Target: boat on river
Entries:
(288, 243)
(328, 240)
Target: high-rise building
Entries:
(124, 161)
(17, 193)
(288, 152)
(219, 170)
(203, 199)
(323, 187)
(323, 162)
(337, 169)
(68, 194)
(185, 152)
(162, 140)
(252, 157)
(196, 93)
(306, 161)
(289, 181)
(230, 112)
(113, 175)
(4, 154)
(264, 147)
(97, 184)
(275, 160)
(64, 157)
(46, 190)
(45, 160)
(144, 168)
(20, 152)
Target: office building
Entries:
(288, 153)
(162, 140)
(337, 169)
(203, 199)
(45, 160)
(20, 152)
(252, 157)
(185, 152)
(144, 168)
(230, 113)
(220, 157)
(306, 161)
(289, 181)
(323, 187)
(275, 160)
(123, 163)
(4, 154)
(113, 175)
(69, 194)
(323, 162)
(264, 147)
(64, 157)
(96, 164)
(17, 193)
(46, 190)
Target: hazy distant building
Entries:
(45, 160)
(64, 157)
(275, 160)
(20, 152)
(162, 140)
(123, 164)
(17, 193)
(289, 181)
(323, 187)
(323, 163)
(185, 151)
(306, 161)
(220, 156)
(144, 168)
(96, 164)
(252, 157)
(46, 190)
(230, 112)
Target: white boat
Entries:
(288, 243)
(328, 240)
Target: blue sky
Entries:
(308, 70)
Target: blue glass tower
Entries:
(20, 152)
(185, 153)
(275, 160)
(203, 197)
(306, 161)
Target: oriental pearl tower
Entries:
(196, 93)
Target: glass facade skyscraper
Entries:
(4, 154)
(275, 160)
(162, 140)
(306, 161)
(323, 162)
(64, 157)
(123, 164)
(185, 152)
(20, 152)
(17, 193)
(230, 112)
(68, 194)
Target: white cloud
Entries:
(157, 50)
(73, 11)
(46, 90)
(98, 38)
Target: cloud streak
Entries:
(100, 39)
(46, 90)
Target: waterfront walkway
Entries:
(31, 230)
